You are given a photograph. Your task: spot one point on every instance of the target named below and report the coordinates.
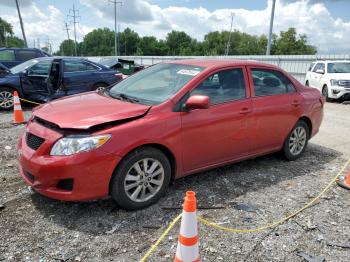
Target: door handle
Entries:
(245, 110)
(295, 103)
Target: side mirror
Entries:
(320, 71)
(197, 102)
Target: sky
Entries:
(325, 22)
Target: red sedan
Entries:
(165, 122)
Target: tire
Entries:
(301, 132)
(6, 99)
(127, 180)
(99, 86)
(307, 83)
(325, 93)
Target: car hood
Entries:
(339, 76)
(88, 110)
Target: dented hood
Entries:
(87, 110)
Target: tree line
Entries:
(100, 42)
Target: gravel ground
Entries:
(248, 194)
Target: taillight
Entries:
(121, 75)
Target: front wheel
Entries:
(296, 142)
(325, 93)
(141, 178)
(6, 98)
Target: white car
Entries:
(332, 78)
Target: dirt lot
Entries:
(35, 228)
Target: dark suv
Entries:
(11, 57)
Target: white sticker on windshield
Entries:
(188, 72)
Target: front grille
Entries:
(33, 141)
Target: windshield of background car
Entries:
(343, 67)
(23, 66)
(157, 83)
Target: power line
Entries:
(74, 16)
(115, 25)
(229, 37)
(268, 49)
(21, 22)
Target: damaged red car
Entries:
(165, 122)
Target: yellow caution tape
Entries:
(28, 101)
(155, 245)
(283, 220)
(253, 230)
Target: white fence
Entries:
(297, 65)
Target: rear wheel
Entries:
(100, 87)
(141, 178)
(325, 93)
(6, 98)
(296, 142)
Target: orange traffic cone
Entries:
(187, 247)
(345, 183)
(18, 117)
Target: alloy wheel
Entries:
(6, 99)
(144, 179)
(297, 140)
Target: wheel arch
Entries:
(165, 150)
(308, 121)
(13, 88)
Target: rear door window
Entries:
(78, 66)
(7, 55)
(24, 55)
(223, 86)
(268, 82)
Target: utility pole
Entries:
(229, 37)
(115, 2)
(67, 29)
(268, 49)
(22, 27)
(74, 16)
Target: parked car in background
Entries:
(332, 78)
(165, 122)
(11, 57)
(126, 67)
(46, 78)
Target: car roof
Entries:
(213, 63)
(19, 48)
(331, 61)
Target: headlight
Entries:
(334, 82)
(70, 145)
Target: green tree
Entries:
(178, 42)
(289, 43)
(128, 42)
(99, 42)
(66, 48)
(5, 29)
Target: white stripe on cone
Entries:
(187, 253)
(189, 224)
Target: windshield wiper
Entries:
(125, 97)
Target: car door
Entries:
(219, 133)
(79, 76)
(276, 108)
(34, 80)
(316, 77)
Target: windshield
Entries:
(342, 67)
(23, 66)
(155, 84)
